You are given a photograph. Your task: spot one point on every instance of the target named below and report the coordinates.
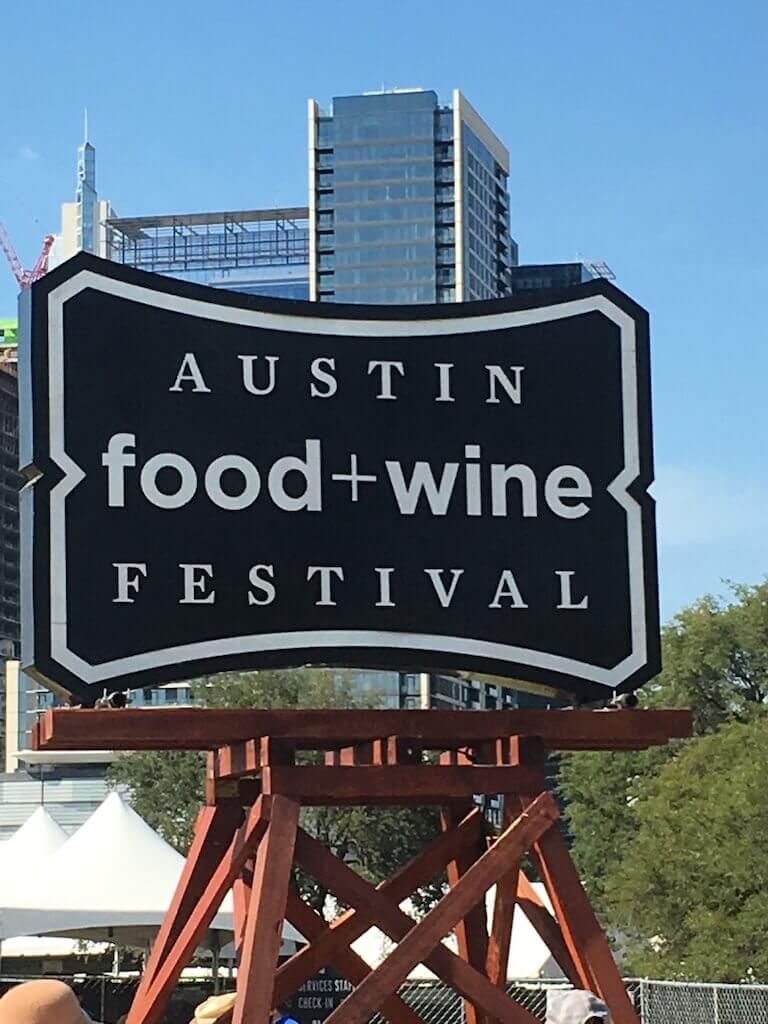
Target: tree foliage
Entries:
(166, 788)
(715, 662)
(691, 889)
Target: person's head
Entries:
(41, 1002)
(279, 1015)
(576, 1008)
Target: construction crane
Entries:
(25, 277)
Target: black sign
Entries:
(318, 997)
(222, 481)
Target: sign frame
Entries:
(52, 475)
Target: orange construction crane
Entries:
(25, 277)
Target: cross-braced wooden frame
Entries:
(248, 839)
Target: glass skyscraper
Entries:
(409, 201)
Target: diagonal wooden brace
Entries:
(581, 930)
(353, 923)
(421, 942)
(241, 898)
(349, 963)
(266, 911)
(151, 1007)
(585, 940)
(547, 927)
(214, 829)
(472, 932)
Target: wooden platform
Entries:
(248, 839)
(207, 729)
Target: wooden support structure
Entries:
(248, 839)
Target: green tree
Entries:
(715, 656)
(691, 889)
(167, 788)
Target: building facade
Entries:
(408, 201)
(556, 276)
(10, 483)
(259, 252)
(83, 222)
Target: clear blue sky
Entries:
(638, 134)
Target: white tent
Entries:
(112, 881)
(32, 947)
(38, 839)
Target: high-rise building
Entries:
(10, 482)
(83, 222)
(408, 201)
(260, 252)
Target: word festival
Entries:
(280, 483)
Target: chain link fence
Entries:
(681, 1002)
(435, 1003)
(657, 1002)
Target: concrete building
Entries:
(408, 201)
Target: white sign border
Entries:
(332, 639)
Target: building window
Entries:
(324, 133)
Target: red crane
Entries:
(25, 277)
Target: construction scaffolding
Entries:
(179, 243)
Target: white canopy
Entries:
(38, 839)
(113, 881)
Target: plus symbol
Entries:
(353, 477)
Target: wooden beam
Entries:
(238, 759)
(547, 927)
(472, 931)
(214, 830)
(581, 930)
(345, 960)
(241, 898)
(500, 937)
(152, 1006)
(471, 984)
(517, 751)
(210, 728)
(266, 912)
(393, 784)
(350, 925)
(585, 940)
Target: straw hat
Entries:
(211, 1009)
(41, 1002)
